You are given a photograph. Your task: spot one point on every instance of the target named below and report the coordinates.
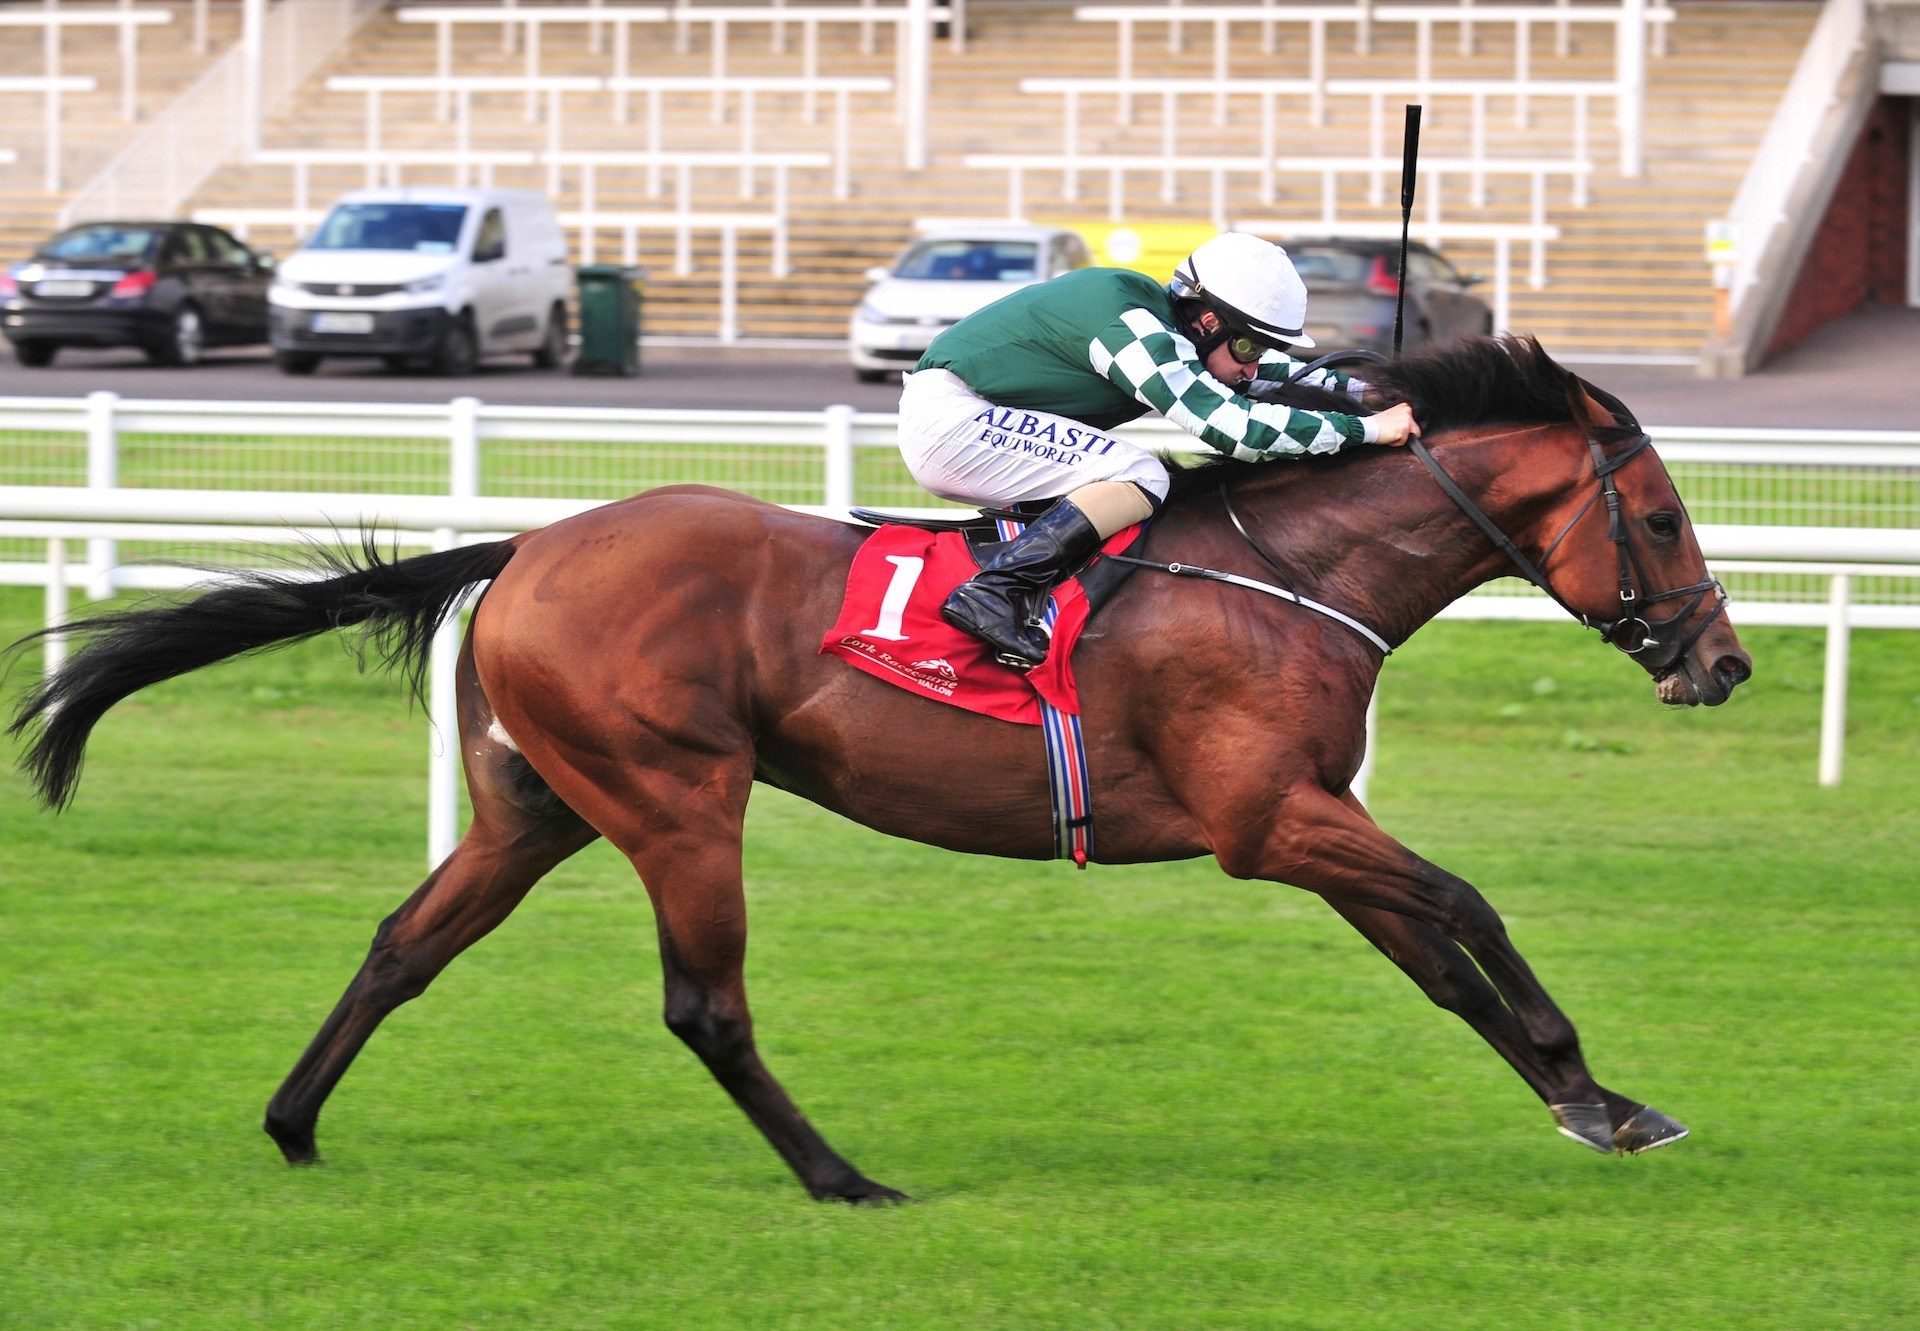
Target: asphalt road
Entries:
(670, 377)
(1858, 373)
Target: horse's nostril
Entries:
(1733, 670)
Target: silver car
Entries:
(941, 279)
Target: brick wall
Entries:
(1859, 255)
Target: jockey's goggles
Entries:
(1244, 350)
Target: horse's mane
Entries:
(1504, 380)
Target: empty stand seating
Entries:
(650, 126)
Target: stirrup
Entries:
(970, 621)
(1021, 663)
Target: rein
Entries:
(1621, 632)
(1282, 593)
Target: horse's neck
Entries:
(1382, 542)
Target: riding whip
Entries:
(1409, 158)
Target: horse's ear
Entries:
(1596, 414)
(1587, 409)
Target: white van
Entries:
(448, 276)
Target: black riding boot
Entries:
(1003, 602)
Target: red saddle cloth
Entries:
(890, 627)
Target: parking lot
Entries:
(1853, 374)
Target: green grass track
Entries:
(1130, 1098)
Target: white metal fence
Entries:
(1631, 21)
(126, 21)
(1809, 528)
(1796, 478)
(50, 91)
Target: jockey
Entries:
(1012, 404)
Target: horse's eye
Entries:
(1664, 525)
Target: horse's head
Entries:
(1559, 476)
(1622, 555)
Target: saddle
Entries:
(1101, 578)
(890, 627)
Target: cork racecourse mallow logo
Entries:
(934, 675)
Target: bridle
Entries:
(1656, 644)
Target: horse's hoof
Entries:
(860, 1191)
(1586, 1124)
(1647, 1130)
(295, 1143)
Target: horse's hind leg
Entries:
(679, 819)
(519, 832)
(462, 901)
(706, 1006)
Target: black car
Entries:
(1352, 286)
(169, 288)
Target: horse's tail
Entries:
(399, 603)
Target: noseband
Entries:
(1657, 645)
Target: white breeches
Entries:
(964, 448)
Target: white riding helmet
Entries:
(1251, 284)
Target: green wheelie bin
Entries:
(609, 319)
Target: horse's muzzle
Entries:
(1691, 685)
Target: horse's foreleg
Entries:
(476, 888)
(700, 907)
(1448, 977)
(1331, 848)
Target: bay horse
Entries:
(632, 671)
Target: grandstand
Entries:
(114, 82)
(1627, 273)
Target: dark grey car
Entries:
(1352, 286)
(170, 288)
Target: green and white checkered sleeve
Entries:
(1162, 369)
(1275, 366)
